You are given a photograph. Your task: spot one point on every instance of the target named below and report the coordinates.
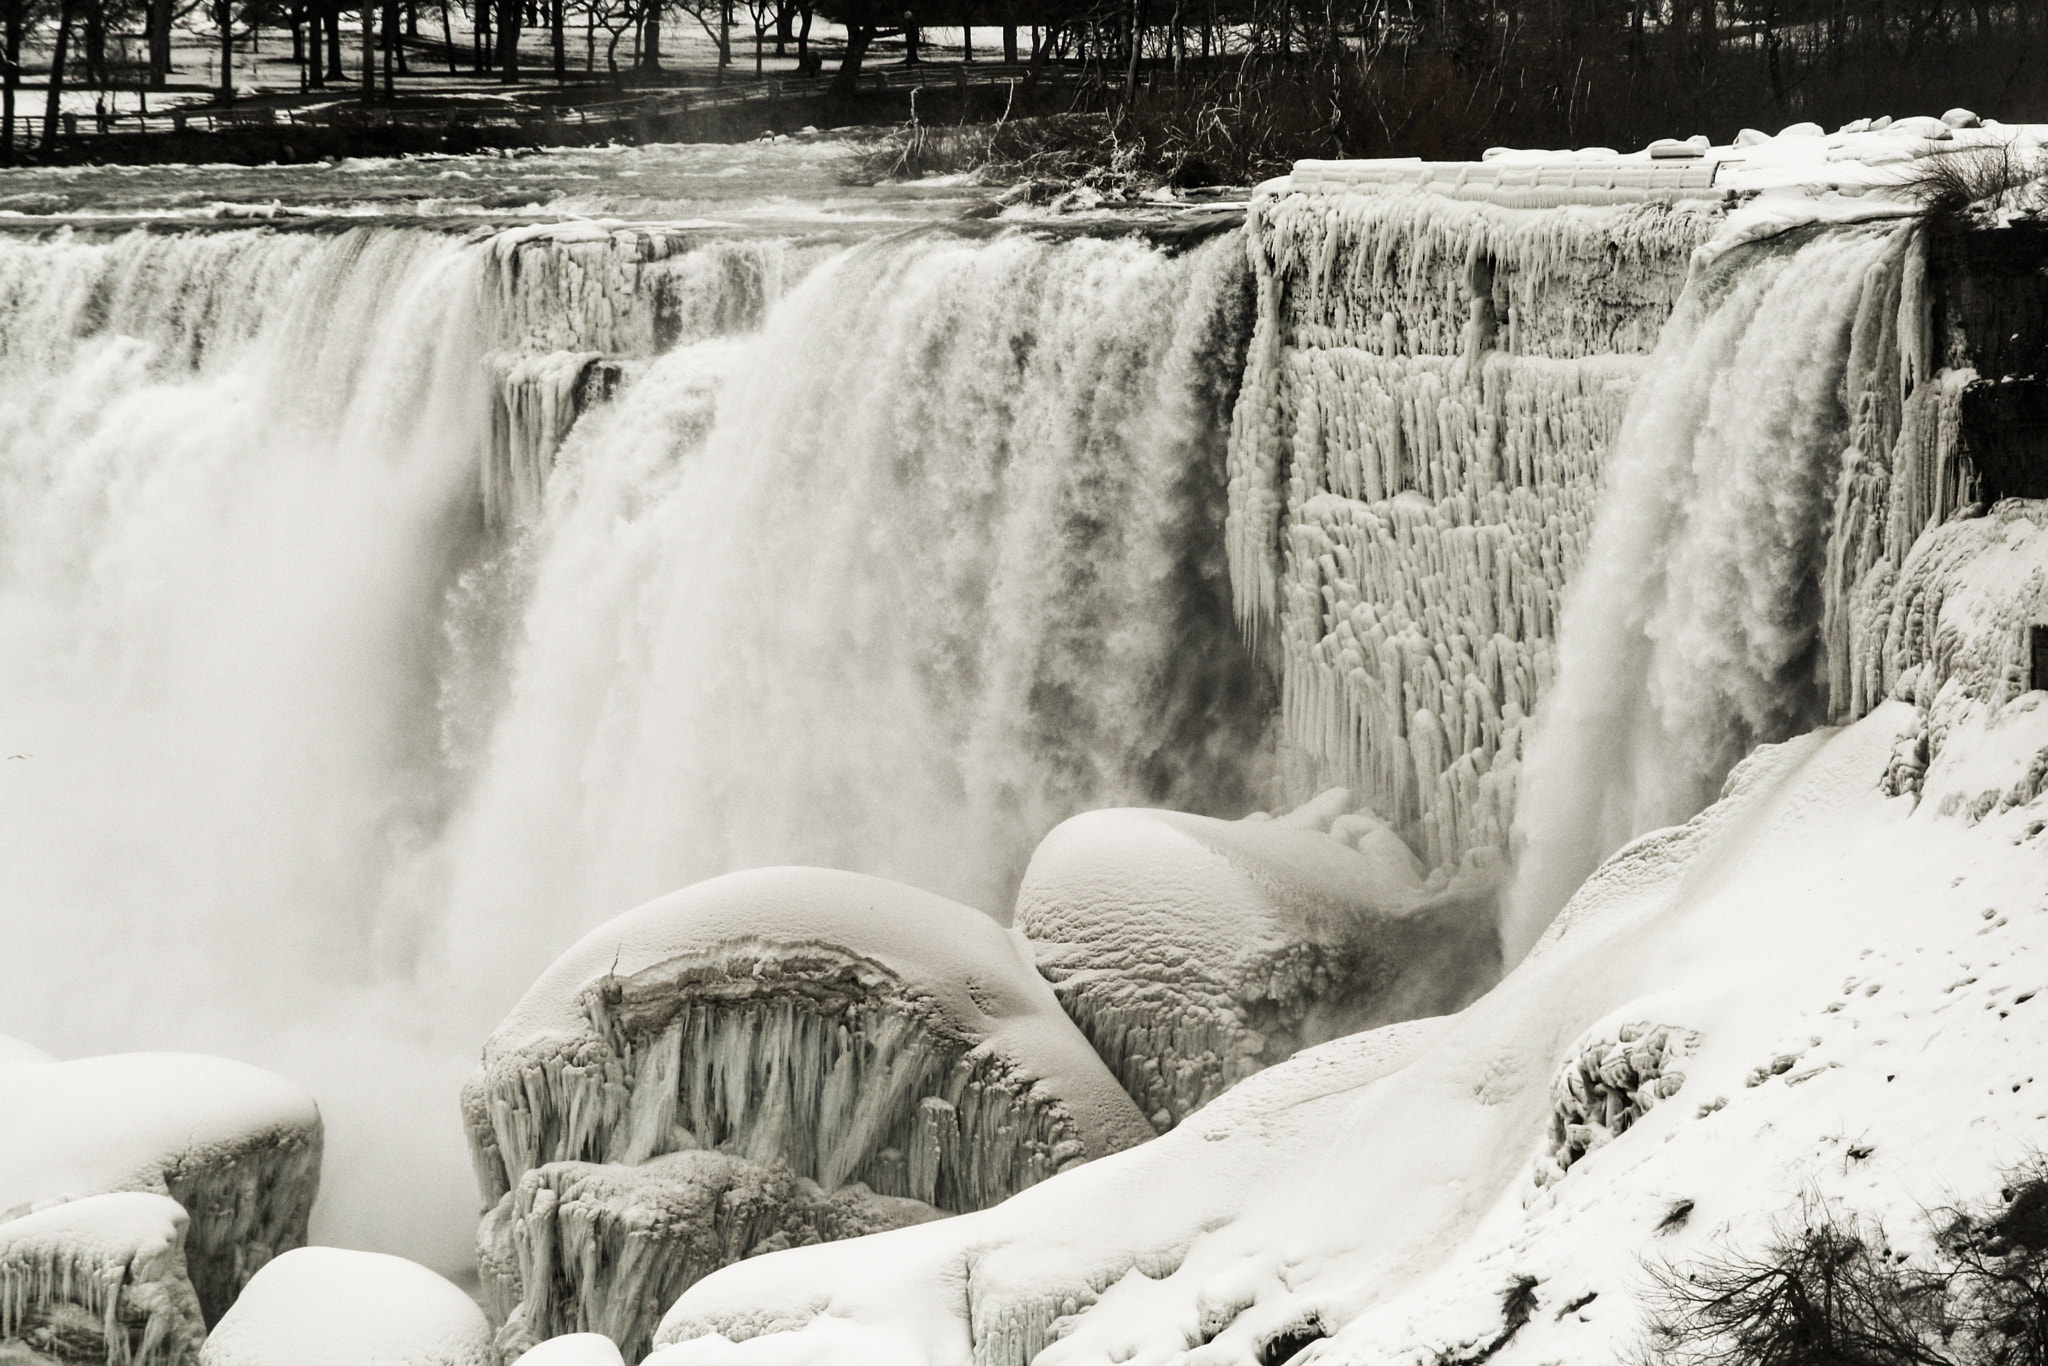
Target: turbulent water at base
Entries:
(885, 556)
(1694, 631)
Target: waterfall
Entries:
(887, 556)
(1697, 627)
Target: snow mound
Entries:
(327, 1306)
(102, 1278)
(237, 1146)
(1193, 951)
(608, 1248)
(574, 1349)
(15, 1052)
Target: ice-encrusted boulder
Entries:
(236, 1146)
(1194, 951)
(812, 1054)
(607, 1247)
(98, 1280)
(328, 1306)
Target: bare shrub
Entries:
(1993, 177)
(1827, 1290)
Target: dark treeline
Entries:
(1201, 89)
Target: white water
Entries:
(1694, 630)
(319, 769)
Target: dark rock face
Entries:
(1991, 299)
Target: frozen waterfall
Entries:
(382, 607)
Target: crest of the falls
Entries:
(889, 556)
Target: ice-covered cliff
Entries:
(1809, 984)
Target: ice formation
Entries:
(237, 1147)
(845, 1052)
(1430, 394)
(1194, 951)
(101, 1278)
(606, 1248)
(328, 1306)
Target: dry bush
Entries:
(1993, 177)
(1827, 1290)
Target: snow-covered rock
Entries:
(98, 1279)
(843, 1028)
(574, 1349)
(1195, 951)
(608, 1248)
(236, 1146)
(327, 1306)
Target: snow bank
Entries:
(15, 1052)
(1193, 952)
(1813, 986)
(237, 1146)
(608, 1248)
(326, 1306)
(813, 1024)
(101, 1278)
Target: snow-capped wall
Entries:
(1431, 392)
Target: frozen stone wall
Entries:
(1429, 397)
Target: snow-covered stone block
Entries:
(1194, 952)
(238, 1147)
(98, 1279)
(583, 1247)
(329, 1306)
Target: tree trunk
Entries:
(724, 34)
(859, 34)
(1010, 44)
(966, 43)
(159, 44)
(650, 51)
(508, 42)
(558, 39)
(10, 78)
(1137, 18)
(448, 36)
(390, 48)
(369, 52)
(910, 57)
(785, 18)
(227, 51)
(803, 42)
(56, 84)
(334, 71)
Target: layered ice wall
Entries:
(1436, 379)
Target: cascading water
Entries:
(1697, 628)
(321, 763)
